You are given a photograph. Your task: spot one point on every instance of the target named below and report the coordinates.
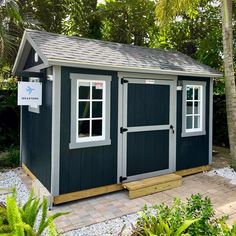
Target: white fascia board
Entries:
(21, 50)
(19, 53)
(36, 68)
(36, 48)
(127, 69)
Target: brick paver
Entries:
(97, 209)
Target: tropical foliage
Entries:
(9, 22)
(195, 217)
(21, 221)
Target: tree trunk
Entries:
(230, 90)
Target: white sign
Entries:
(29, 93)
(149, 81)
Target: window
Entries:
(90, 110)
(193, 108)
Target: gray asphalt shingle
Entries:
(77, 50)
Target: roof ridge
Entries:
(100, 40)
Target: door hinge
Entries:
(123, 81)
(122, 179)
(122, 130)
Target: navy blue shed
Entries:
(111, 113)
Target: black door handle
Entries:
(172, 128)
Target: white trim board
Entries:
(106, 140)
(210, 120)
(82, 64)
(202, 131)
(56, 122)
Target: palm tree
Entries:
(9, 30)
(167, 10)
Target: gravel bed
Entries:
(10, 179)
(107, 228)
(111, 227)
(225, 172)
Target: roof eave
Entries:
(19, 53)
(80, 64)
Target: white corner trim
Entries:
(21, 135)
(56, 121)
(210, 120)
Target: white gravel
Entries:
(10, 179)
(226, 172)
(111, 227)
(108, 228)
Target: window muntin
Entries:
(194, 111)
(90, 110)
(193, 108)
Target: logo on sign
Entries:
(29, 90)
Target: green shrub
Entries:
(10, 158)
(195, 217)
(13, 156)
(20, 221)
(9, 119)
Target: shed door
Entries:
(148, 128)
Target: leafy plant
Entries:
(10, 158)
(196, 217)
(14, 155)
(21, 221)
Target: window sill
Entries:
(89, 144)
(191, 134)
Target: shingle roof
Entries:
(56, 47)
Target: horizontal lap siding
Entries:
(36, 137)
(86, 168)
(192, 151)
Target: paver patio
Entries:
(97, 209)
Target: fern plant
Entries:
(20, 221)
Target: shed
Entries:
(111, 113)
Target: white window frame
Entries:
(202, 110)
(34, 109)
(91, 141)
